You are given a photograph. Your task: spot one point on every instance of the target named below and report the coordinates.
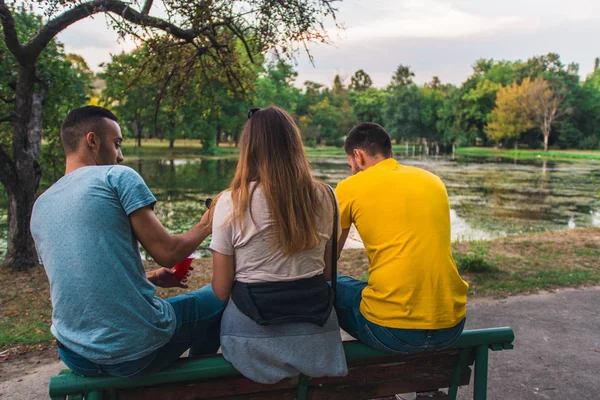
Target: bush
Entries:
(475, 260)
(339, 142)
(312, 142)
(590, 143)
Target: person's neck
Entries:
(371, 161)
(74, 162)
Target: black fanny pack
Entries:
(277, 303)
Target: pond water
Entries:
(488, 197)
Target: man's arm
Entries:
(166, 249)
(342, 241)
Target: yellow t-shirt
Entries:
(403, 217)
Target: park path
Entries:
(556, 355)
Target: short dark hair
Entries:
(370, 137)
(80, 121)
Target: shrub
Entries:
(475, 260)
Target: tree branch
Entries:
(147, 7)
(10, 33)
(83, 10)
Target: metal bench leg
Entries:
(463, 355)
(302, 387)
(95, 396)
(481, 373)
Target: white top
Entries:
(257, 257)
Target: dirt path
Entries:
(556, 355)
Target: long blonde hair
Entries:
(272, 156)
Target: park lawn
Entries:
(187, 148)
(530, 154)
(498, 267)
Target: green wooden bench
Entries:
(372, 373)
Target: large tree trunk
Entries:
(21, 176)
(546, 137)
(171, 143)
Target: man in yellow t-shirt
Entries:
(414, 299)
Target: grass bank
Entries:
(154, 148)
(529, 154)
(493, 268)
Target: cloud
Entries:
(94, 40)
(449, 58)
(429, 19)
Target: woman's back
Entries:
(270, 353)
(270, 231)
(258, 256)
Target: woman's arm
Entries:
(223, 275)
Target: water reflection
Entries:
(488, 197)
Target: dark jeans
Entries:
(348, 298)
(198, 317)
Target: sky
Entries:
(434, 37)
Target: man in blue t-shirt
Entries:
(106, 317)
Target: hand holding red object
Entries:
(182, 267)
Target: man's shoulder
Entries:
(424, 175)
(118, 175)
(120, 170)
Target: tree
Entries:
(360, 81)
(546, 107)
(62, 82)
(127, 90)
(369, 105)
(513, 114)
(402, 77)
(402, 112)
(275, 86)
(212, 31)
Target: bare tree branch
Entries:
(10, 33)
(147, 7)
(83, 10)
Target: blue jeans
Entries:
(348, 298)
(198, 316)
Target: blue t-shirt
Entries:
(104, 308)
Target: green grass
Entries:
(153, 148)
(476, 260)
(530, 281)
(530, 154)
(498, 267)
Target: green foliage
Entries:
(154, 96)
(475, 260)
(66, 81)
(207, 107)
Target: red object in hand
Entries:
(182, 267)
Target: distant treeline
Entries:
(501, 103)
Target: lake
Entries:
(489, 198)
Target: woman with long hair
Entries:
(270, 254)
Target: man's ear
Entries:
(359, 156)
(92, 140)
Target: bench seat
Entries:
(372, 373)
